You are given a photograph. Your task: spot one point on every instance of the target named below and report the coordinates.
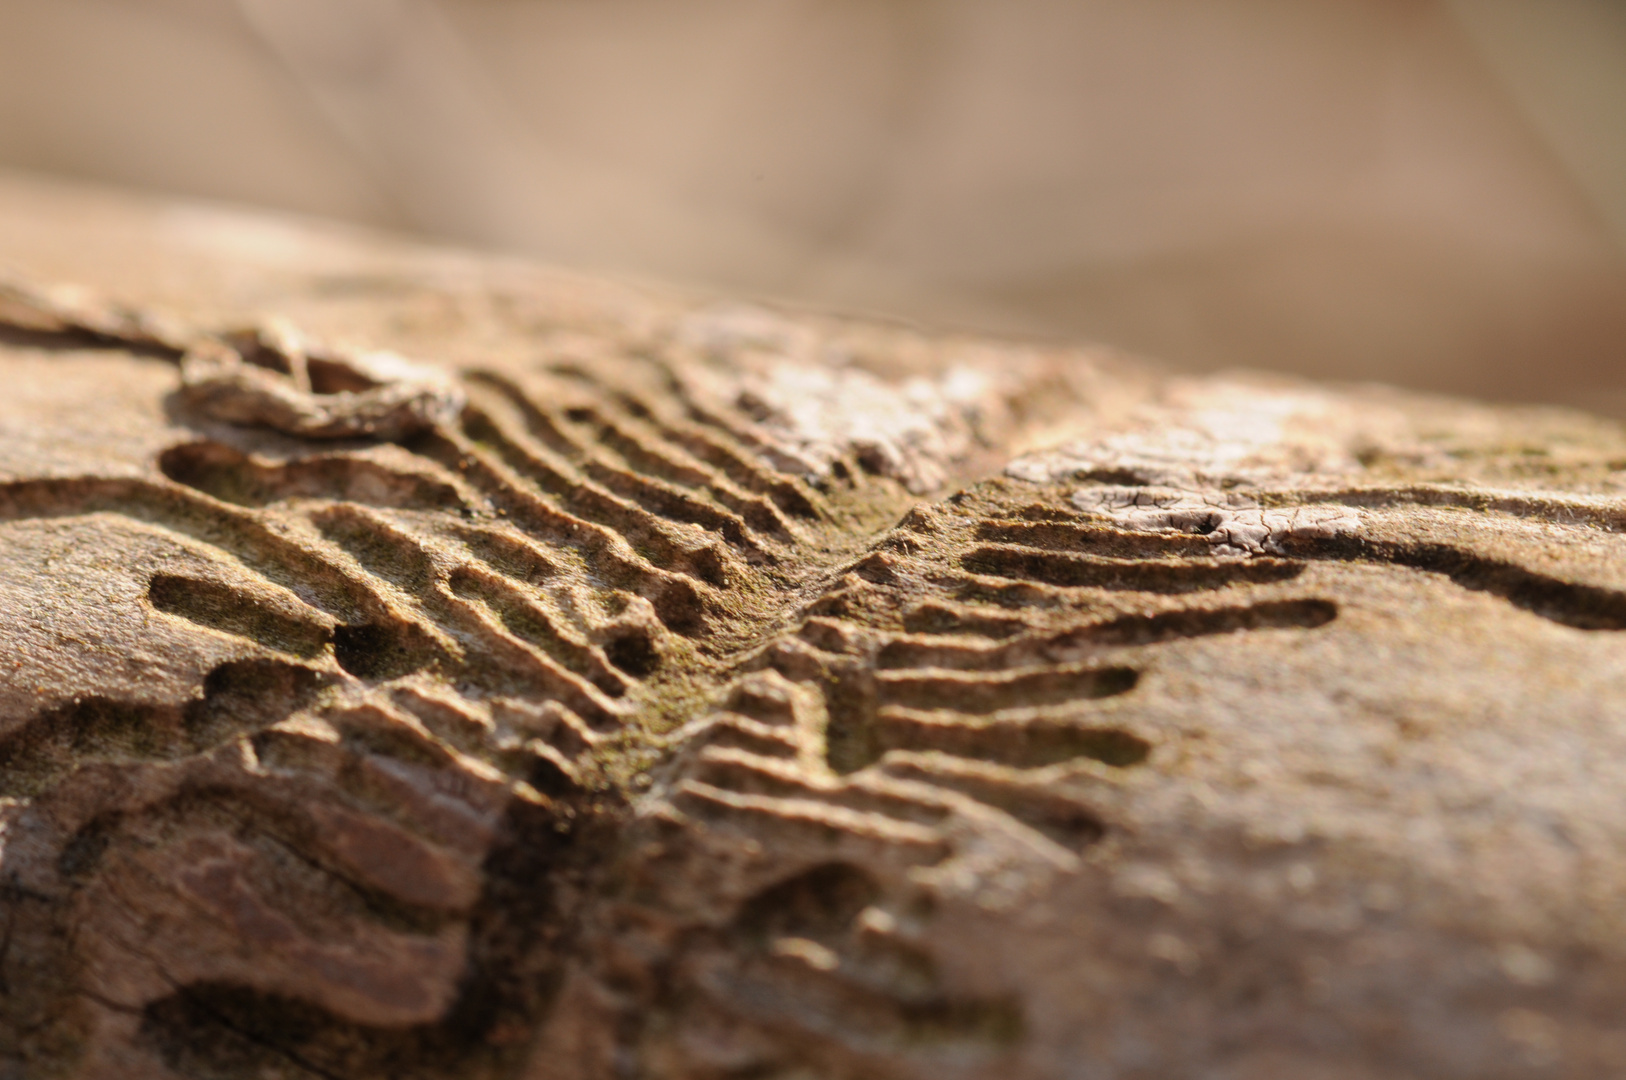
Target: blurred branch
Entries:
(393, 80)
(1564, 64)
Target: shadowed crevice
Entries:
(1582, 607)
(1158, 576)
(233, 611)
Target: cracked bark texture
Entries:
(425, 665)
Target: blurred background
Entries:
(1429, 192)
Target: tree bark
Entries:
(420, 664)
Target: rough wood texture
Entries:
(632, 686)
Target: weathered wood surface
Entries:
(637, 686)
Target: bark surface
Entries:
(425, 665)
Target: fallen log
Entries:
(419, 664)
